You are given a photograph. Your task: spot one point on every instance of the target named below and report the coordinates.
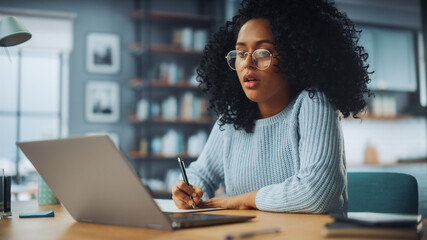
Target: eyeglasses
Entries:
(260, 57)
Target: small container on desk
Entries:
(45, 195)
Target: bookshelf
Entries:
(139, 83)
(170, 112)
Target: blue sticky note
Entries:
(37, 215)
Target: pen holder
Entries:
(5, 196)
(45, 195)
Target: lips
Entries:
(250, 81)
(249, 78)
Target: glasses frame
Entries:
(252, 56)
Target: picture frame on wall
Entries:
(103, 53)
(102, 101)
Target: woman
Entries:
(291, 68)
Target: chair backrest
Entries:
(382, 192)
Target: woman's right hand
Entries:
(181, 193)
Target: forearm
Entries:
(247, 200)
(243, 201)
(320, 193)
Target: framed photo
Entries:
(102, 101)
(103, 53)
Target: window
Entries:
(34, 91)
(30, 107)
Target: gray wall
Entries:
(106, 16)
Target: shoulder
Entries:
(315, 97)
(221, 129)
(314, 108)
(313, 101)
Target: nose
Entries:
(248, 62)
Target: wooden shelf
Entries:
(135, 154)
(141, 83)
(174, 49)
(137, 48)
(168, 17)
(133, 118)
(137, 82)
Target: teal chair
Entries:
(382, 192)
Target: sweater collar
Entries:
(276, 118)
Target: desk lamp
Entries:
(12, 33)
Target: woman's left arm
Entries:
(319, 184)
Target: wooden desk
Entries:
(63, 227)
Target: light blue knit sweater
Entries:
(296, 159)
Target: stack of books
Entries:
(375, 225)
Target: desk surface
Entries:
(63, 227)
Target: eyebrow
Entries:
(257, 43)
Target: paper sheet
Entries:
(167, 205)
(382, 217)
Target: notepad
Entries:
(367, 224)
(383, 218)
(167, 205)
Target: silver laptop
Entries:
(96, 184)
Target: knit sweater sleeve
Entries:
(318, 185)
(207, 171)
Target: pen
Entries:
(184, 175)
(252, 233)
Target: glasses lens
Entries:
(231, 59)
(262, 58)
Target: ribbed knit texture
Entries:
(296, 159)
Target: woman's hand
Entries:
(181, 193)
(243, 201)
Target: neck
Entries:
(271, 108)
(266, 111)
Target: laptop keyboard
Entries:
(180, 220)
(182, 217)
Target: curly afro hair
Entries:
(318, 48)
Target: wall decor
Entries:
(102, 101)
(103, 53)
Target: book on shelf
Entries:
(190, 39)
(191, 106)
(172, 143)
(177, 37)
(142, 109)
(169, 108)
(200, 39)
(143, 147)
(168, 72)
(196, 108)
(187, 38)
(374, 225)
